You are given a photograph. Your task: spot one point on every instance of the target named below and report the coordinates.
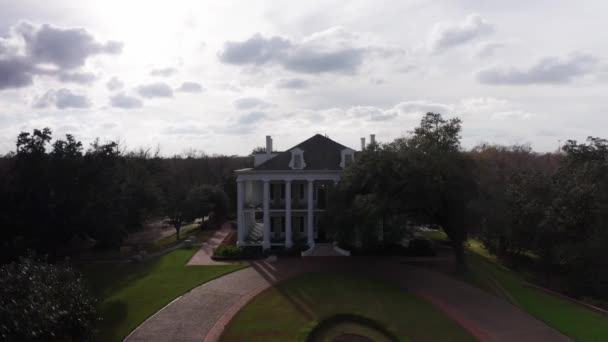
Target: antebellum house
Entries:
(279, 199)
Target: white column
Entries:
(311, 232)
(266, 241)
(288, 238)
(240, 219)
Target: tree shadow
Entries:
(275, 274)
(112, 314)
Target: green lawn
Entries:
(282, 312)
(185, 232)
(130, 293)
(571, 319)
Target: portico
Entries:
(285, 198)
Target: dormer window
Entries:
(347, 157)
(297, 161)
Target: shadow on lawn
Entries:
(270, 272)
(278, 272)
(112, 314)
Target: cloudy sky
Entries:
(219, 76)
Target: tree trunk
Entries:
(178, 226)
(459, 257)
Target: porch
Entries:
(280, 209)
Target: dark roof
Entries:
(320, 153)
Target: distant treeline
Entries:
(55, 191)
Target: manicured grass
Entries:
(573, 320)
(281, 313)
(185, 232)
(130, 293)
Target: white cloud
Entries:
(48, 50)
(157, 89)
(292, 83)
(335, 50)
(190, 87)
(163, 72)
(251, 103)
(114, 84)
(448, 35)
(548, 70)
(124, 101)
(62, 99)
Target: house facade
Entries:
(280, 199)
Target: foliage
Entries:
(423, 178)
(554, 208)
(257, 150)
(44, 302)
(55, 192)
(230, 252)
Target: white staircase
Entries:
(256, 233)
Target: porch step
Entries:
(325, 249)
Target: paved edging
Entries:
(220, 325)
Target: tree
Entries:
(44, 302)
(578, 217)
(424, 178)
(207, 200)
(258, 149)
(437, 179)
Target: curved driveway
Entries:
(201, 314)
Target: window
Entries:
(271, 192)
(348, 159)
(301, 191)
(297, 161)
(282, 191)
(272, 224)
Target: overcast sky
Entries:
(219, 76)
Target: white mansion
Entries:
(280, 198)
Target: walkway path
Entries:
(203, 256)
(202, 314)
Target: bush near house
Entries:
(227, 252)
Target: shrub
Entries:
(224, 252)
(43, 302)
